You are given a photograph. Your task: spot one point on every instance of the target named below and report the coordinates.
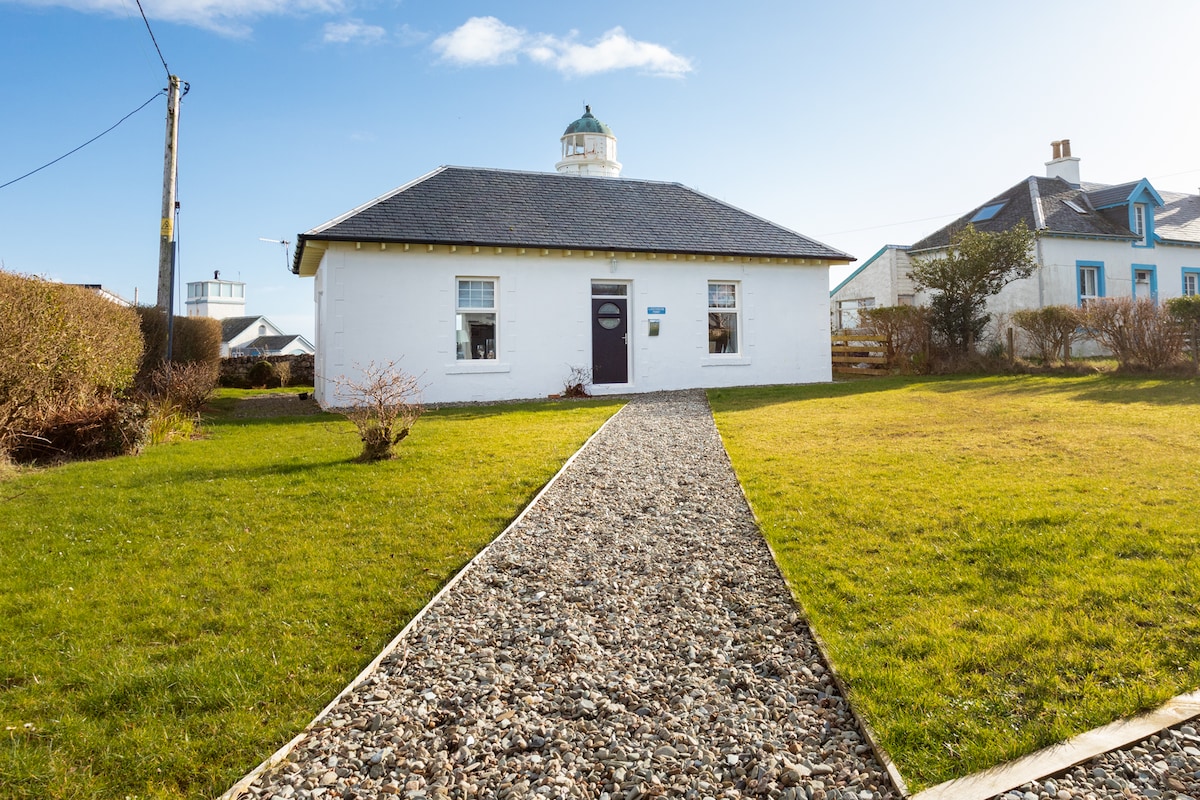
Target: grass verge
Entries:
(995, 563)
(170, 620)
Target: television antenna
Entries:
(287, 254)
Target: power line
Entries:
(160, 55)
(85, 144)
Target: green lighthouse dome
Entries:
(588, 124)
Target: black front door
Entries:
(610, 329)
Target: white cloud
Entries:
(481, 40)
(615, 50)
(353, 30)
(486, 41)
(229, 17)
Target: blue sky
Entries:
(856, 123)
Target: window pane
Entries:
(722, 295)
(476, 336)
(722, 333)
(609, 289)
(476, 294)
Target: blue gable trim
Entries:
(1142, 192)
(866, 264)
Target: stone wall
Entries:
(234, 371)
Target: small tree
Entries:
(384, 403)
(977, 266)
(1052, 330)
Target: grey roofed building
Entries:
(505, 208)
(1094, 211)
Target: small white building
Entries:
(217, 299)
(1096, 241)
(241, 335)
(495, 284)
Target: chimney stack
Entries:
(1062, 164)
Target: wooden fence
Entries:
(860, 354)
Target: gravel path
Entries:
(630, 637)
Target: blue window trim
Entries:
(1183, 273)
(1099, 267)
(1133, 271)
(1148, 236)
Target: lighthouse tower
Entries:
(589, 148)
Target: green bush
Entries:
(63, 349)
(263, 376)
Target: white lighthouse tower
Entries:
(589, 148)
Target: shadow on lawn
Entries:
(1120, 390)
(1094, 388)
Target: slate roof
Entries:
(270, 344)
(503, 208)
(232, 326)
(1178, 219)
(1042, 204)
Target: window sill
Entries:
(478, 366)
(725, 361)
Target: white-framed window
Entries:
(1091, 281)
(1191, 281)
(1139, 221)
(724, 312)
(475, 318)
(848, 317)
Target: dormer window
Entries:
(1139, 222)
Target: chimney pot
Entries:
(1066, 148)
(1056, 150)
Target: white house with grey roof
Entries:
(496, 284)
(1097, 241)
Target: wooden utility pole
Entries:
(166, 246)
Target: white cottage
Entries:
(495, 284)
(1097, 241)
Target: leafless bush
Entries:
(383, 402)
(908, 332)
(1051, 330)
(577, 381)
(187, 386)
(1137, 332)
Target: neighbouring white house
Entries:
(494, 284)
(1097, 241)
(241, 335)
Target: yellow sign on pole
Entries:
(167, 228)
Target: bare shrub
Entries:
(383, 402)
(1137, 332)
(283, 370)
(909, 333)
(102, 428)
(187, 386)
(577, 381)
(1051, 330)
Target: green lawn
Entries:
(168, 621)
(995, 563)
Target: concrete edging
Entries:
(239, 789)
(1064, 755)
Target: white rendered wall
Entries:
(382, 305)
(883, 279)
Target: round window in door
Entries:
(608, 316)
